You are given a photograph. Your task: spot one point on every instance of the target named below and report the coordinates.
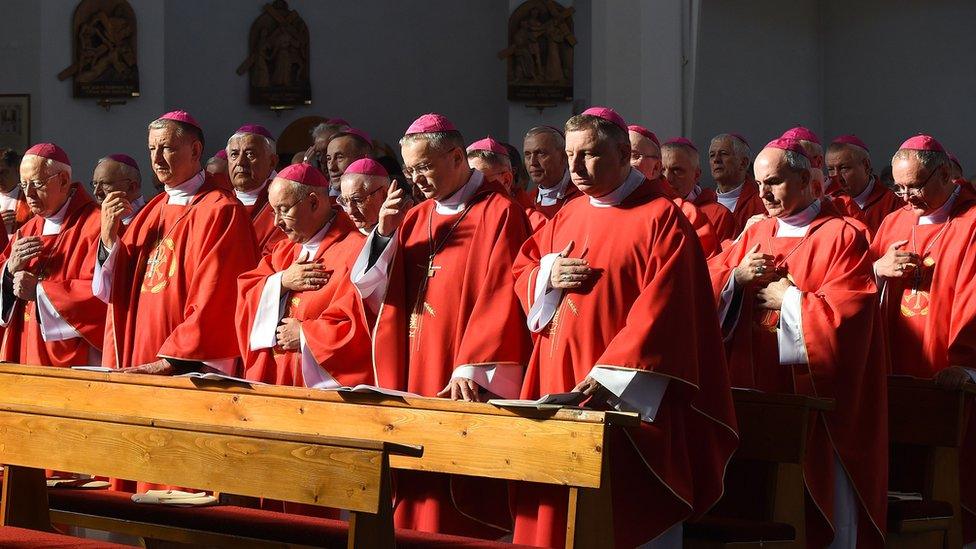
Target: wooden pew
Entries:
(565, 447)
(926, 425)
(763, 504)
(319, 470)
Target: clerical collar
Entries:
(334, 192)
(12, 193)
(694, 193)
(137, 205)
(182, 194)
(552, 195)
(456, 203)
(942, 214)
(731, 198)
(798, 223)
(311, 246)
(862, 198)
(248, 198)
(618, 195)
(52, 225)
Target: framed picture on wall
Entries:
(15, 121)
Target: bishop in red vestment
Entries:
(119, 172)
(926, 265)
(682, 170)
(362, 192)
(251, 159)
(797, 301)
(492, 159)
(439, 277)
(170, 280)
(300, 320)
(616, 289)
(50, 314)
(853, 188)
(728, 157)
(545, 160)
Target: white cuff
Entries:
(634, 390)
(545, 300)
(264, 331)
(372, 281)
(102, 281)
(789, 333)
(53, 326)
(504, 380)
(314, 375)
(227, 366)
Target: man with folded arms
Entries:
(926, 265)
(611, 285)
(439, 277)
(300, 321)
(251, 160)
(50, 315)
(170, 279)
(855, 190)
(798, 304)
(545, 160)
(682, 170)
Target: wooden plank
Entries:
(474, 439)
(23, 502)
(304, 473)
(589, 521)
(374, 530)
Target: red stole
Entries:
(649, 310)
(844, 339)
(65, 270)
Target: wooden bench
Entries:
(763, 504)
(926, 425)
(564, 447)
(312, 469)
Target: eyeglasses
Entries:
(906, 192)
(424, 168)
(284, 211)
(110, 184)
(356, 201)
(637, 157)
(38, 185)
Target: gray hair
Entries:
(797, 162)
(739, 148)
(604, 128)
(182, 128)
(53, 166)
(811, 148)
(437, 141)
(127, 170)
(270, 143)
(696, 158)
(492, 158)
(556, 136)
(300, 190)
(325, 127)
(930, 160)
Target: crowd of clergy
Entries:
(592, 260)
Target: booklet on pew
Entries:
(554, 400)
(213, 376)
(101, 369)
(372, 389)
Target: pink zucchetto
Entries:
(181, 116)
(49, 151)
(431, 123)
(367, 166)
(256, 129)
(922, 142)
(645, 132)
(850, 139)
(607, 114)
(800, 133)
(488, 144)
(683, 141)
(222, 154)
(303, 173)
(787, 144)
(124, 159)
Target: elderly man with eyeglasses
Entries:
(926, 264)
(119, 172)
(50, 314)
(363, 187)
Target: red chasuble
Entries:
(466, 315)
(649, 310)
(571, 192)
(748, 205)
(536, 218)
(65, 269)
(332, 317)
(267, 233)
(931, 320)
(175, 281)
(832, 267)
(880, 203)
(710, 242)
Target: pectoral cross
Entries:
(154, 262)
(431, 268)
